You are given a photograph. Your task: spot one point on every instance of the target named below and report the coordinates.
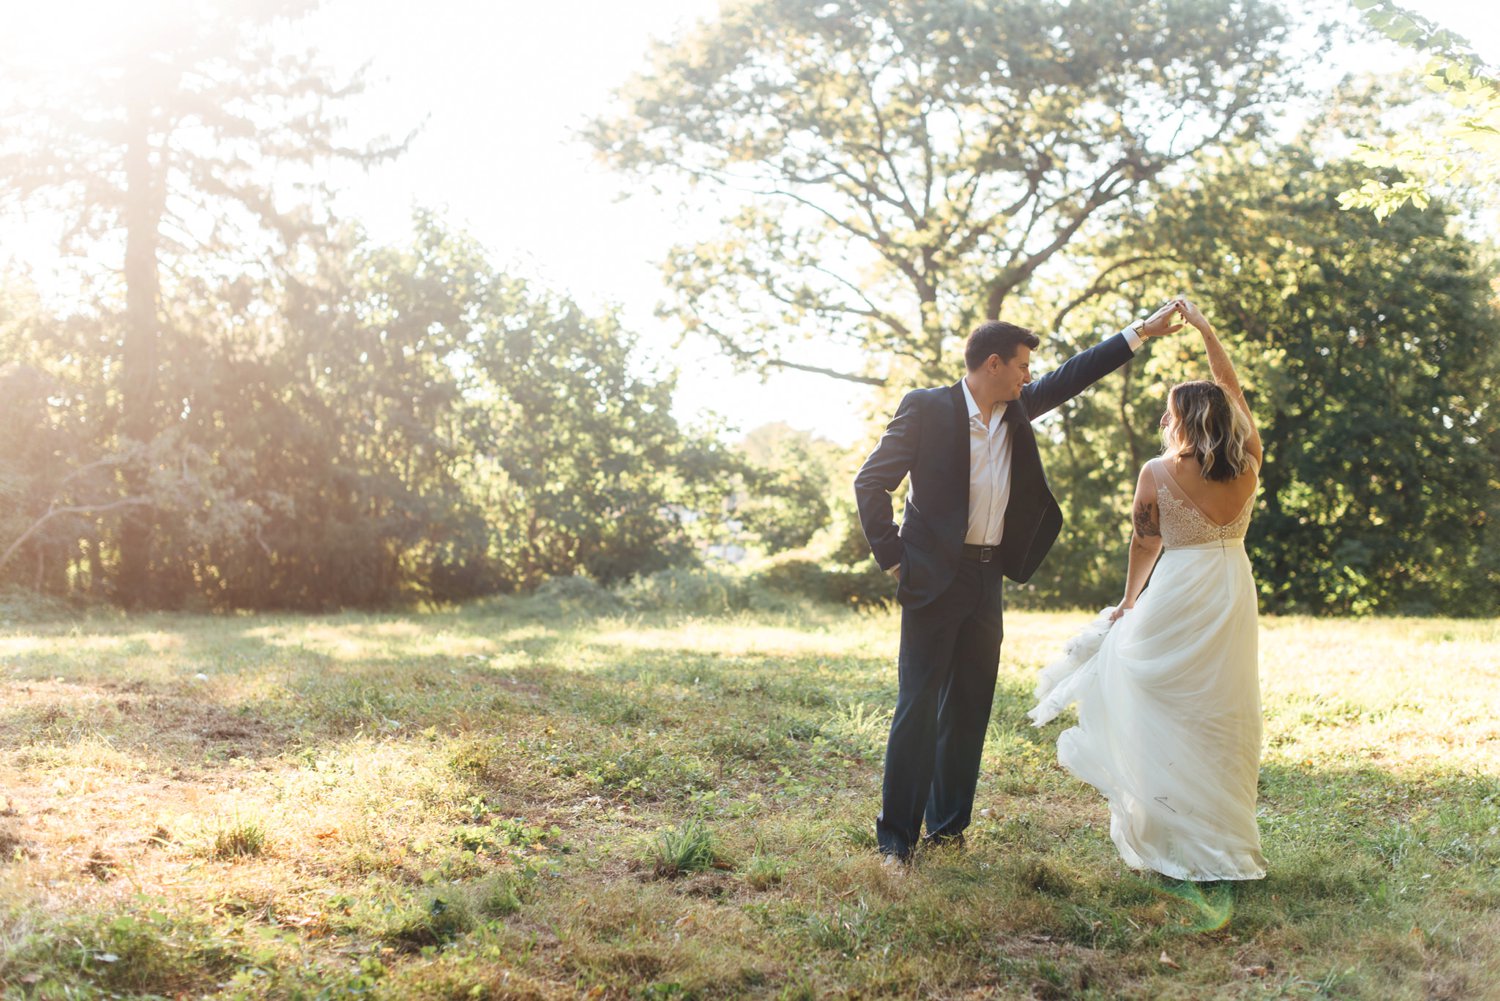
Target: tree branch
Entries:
(53, 512)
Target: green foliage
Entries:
(890, 172)
(786, 495)
(697, 590)
(859, 729)
(279, 414)
(1372, 351)
(765, 871)
(796, 574)
(1369, 353)
(431, 920)
(145, 951)
(214, 118)
(504, 438)
(524, 847)
(407, 424)
(578, 594)
(641, 773)
(1413, 165)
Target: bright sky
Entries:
(506, 86)
(502, 85)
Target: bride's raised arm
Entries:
(1223, 372)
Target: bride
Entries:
(1166, 683)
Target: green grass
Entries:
(513, 801)
(686, 849)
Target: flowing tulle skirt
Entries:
(1169, 726)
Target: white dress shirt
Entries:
(989, 466)
(989, 472)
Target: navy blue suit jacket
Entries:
(928, 439)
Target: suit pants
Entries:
(950, 655)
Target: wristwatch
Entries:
(1139, 326)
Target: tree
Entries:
(787, 488)
(578, 462)
(195, 140)
(894, 170)
(1371, 356)
(60, 461)
(1411, 166)
(405, 424)
(53, 485)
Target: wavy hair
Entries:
(1209, 428)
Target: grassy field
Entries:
(517, 802)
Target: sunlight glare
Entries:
(67, 34)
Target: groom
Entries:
(978, 508)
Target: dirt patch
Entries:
(243, 737)
(136, 716)
(12, 846)
(100, 865)
(708, 886)
(135, 685)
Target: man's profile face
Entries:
(1010, 376)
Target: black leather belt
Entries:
(981, 554)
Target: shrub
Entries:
(798, 575)
(20, 605)
(577, 594)
(698, 591)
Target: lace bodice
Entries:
(1182, 524)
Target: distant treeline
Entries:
(253, 406)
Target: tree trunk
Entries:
(96, 564)
(139, 359)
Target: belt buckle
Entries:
(986, 553)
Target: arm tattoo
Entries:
(1146, 524)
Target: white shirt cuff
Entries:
(1132, 338)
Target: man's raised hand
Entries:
(1166, 320)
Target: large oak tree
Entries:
(887, 172)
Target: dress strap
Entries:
(1156, 471)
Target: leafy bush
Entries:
(796, 574)
(19, 605)
(578, 593)
(696, 590)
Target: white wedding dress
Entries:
(1169, 726)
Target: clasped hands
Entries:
(1171, 317)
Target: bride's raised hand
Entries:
(1192, 314)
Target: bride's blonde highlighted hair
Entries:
(1208, 427)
